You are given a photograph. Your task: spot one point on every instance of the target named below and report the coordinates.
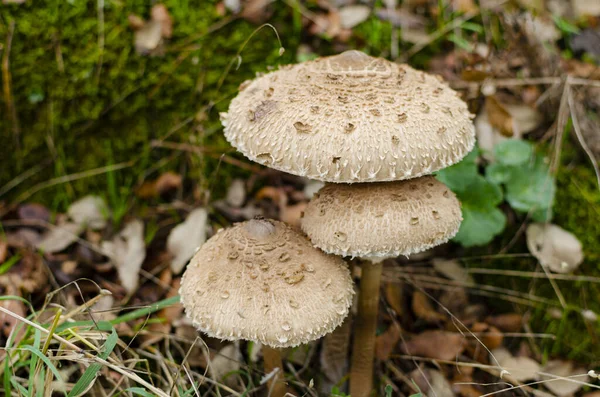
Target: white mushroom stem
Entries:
(361, 372)
(272, 361)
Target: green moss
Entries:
(81, 98)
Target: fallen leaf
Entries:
(394, 297)
(227, 360)
(353, 15)
(587, 41)
(387, 341)
(440, 387)
(510, 322)
(498, 116)
(525, 118)
(90, 211)
(236, 194)
(439, 345)
(424, 310)
(7, 322)
(401, 18)
(554, 247)
(164, 184)
(185, 238)
(59, 237)
(3, 250)
(452, 269)
(102, 309)
(127, 252)
(586, 7)
(520, 368)
(465, 5)
(255, 11)
(564, 369)
(160, 14)
(148, 37)
(487, 135)
(233, 5)
(334, 352)
(33, 211)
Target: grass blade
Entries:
(44, 359)
(89, 376)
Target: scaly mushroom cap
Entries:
(382, 220)
(350, 118)
(262, 281)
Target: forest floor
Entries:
(115, 170)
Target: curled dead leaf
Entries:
(423, 309)
(334, 352)
(185, 238)
(554, 247)
(127, 252)
(387, 341)
(59, 237)
(520, 368)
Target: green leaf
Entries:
(513, 152)
(531, 187)
(498, 173)
(481, 193)
(139, 391)
(480, 225)
(459, 176)
(89, 376)
(388, 390)
(45, 360)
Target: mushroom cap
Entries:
(382, 220)
(263, 281)
(350, 118)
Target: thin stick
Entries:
(361, 372)
(97, 359)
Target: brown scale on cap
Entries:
(377, 117)
(380, 220)
(261, 280)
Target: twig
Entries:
(202, 150)
(97, 359)
(25, 175)
(582, 142)
(68, 178)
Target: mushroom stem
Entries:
(361, 372)
(272, 360)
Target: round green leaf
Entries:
(513, 152)
(480, 225)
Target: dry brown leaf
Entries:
(165, 183)
(185, 238)
(3, 250)
(394, 296)
(520, 368)
(424, 310)
(387, 341)
(334, 352)
(554, 247)
(90, 211)
(498, 116)
(563, 387)
(127, 252)
(60, 237)
(439, 345)
(510, 322)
